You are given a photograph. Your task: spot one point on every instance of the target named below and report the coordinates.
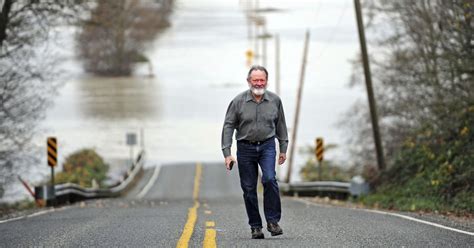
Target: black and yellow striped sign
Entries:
(52, 148)
(319, 149)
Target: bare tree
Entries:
(113, 39)
(27, 76)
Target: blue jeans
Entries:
(249, 156)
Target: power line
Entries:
(333, 31)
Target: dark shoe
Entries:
(274, 229)
(257, 233)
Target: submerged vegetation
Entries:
(115, 36)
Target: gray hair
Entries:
(257, 68)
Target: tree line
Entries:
(422, 60)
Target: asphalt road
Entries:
(163, 217)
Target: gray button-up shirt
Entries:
(254, 121)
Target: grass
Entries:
(396, 199)
(9, 208)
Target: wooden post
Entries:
(256, 33)
(277, 64)
(277, 85)
(264, 44)
(370, 91)
(248, 12)
(298, 104)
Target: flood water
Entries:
(199, 65)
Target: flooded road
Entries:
(199, 65)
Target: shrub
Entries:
(82, 167)
(329, 170)
(432, 172)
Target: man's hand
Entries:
(228, 160)
(281, 158)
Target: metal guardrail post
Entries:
(45, 195)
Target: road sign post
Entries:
(52, 154)
(319, 151)
(249, 55)
(131, 141)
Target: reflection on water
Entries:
(118, 98)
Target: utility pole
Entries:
(256, 33)
(370, 91)
(298, 104)
(277, 64)
(248, 13)
(277, 85)
(264, 37)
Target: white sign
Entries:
(131, 139)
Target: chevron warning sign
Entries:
(52, 150)
(319, 149)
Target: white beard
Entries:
(257, 91)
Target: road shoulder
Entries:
(465, 223)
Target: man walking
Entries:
(258, 117)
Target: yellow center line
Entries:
(210, 238)
(192, 213)
(197, 180)
(210, 224)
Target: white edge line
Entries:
(12, 219)
(397, 215)
(420, 221)
(33, 214)
(150, 183)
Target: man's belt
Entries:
(252, 142)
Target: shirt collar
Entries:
(249, 96)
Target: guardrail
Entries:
(332, 189)
(70, 192)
